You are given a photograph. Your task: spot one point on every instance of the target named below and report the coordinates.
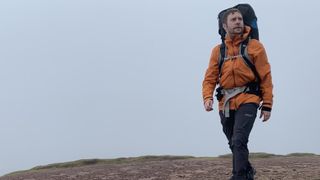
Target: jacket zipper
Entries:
(234, 77)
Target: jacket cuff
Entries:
(264, 108)
(207, 98)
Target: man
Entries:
(238, 106)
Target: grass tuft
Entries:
(85, 162)
(300, 154)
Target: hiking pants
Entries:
(237, 128)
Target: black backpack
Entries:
(249, 19)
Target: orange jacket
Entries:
(235, 73)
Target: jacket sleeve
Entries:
(262, 65)
(211, 76)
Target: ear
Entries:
(224, 26)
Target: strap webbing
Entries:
(230, 93)
(243, 49)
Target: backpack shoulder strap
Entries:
(221, 56)
(247, 60)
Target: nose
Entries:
(238, 21)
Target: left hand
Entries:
(266, 115)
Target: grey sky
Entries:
(106, 79)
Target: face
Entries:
(234, 24)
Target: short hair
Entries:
(228, 12)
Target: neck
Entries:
(233, 36)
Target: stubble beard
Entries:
(237, 30)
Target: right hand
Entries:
(208, 105)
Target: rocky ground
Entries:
(282, 167)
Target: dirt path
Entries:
(284, 168)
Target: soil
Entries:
(284, 168)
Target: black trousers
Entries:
(237, 129)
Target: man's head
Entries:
(232, 22)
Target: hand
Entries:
(208, 105)
(266, 115)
